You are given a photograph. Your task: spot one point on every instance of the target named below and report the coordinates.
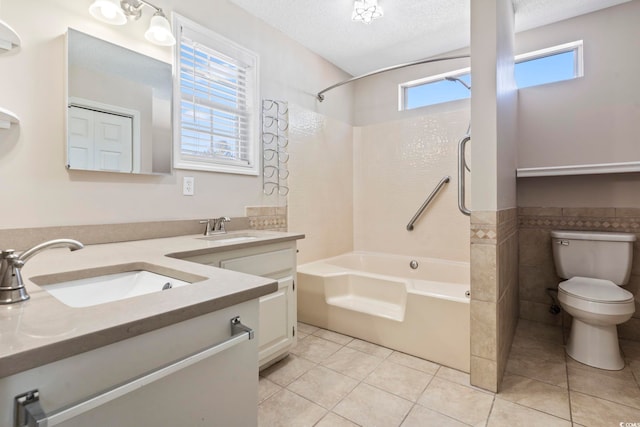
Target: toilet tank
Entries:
(600, 255)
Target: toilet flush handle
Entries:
(563, 242)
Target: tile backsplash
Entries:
(536, 266)
(267, 217)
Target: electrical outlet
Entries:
(188, 186)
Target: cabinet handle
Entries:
(29, 413)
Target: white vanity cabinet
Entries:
(220, 389)
(277, 326)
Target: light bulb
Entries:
(159, 31)
(108, 11)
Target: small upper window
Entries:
(435, 90)
(554, 64)
(550, 65)
(216, 102)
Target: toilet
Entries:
(596, 265)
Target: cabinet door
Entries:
(276, 323)
(277, 310)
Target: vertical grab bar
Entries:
(461, 175)
(442, 182)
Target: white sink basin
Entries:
(229, 238)
(110, 287)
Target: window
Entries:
(550, 65)
(435, 90)
(563, 62)
(216, 102)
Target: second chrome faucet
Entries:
(215, 226)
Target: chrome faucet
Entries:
(11, 284)
(215, 226)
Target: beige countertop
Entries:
(43, 329)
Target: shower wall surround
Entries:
(320, 183)
(397, 164)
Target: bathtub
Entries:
(379, 298)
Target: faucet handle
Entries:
(207, 228)
(218, 224)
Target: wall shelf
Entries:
(9, 39)
(594, 169)
(7, 118)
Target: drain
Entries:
(166, 286)
(413, 264)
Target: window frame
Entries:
(229, 49)
(403, 87)
(575, 46)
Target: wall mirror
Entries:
(118, 108)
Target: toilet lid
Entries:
(596, 290)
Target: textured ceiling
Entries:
(410, 29)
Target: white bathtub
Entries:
(379, 298)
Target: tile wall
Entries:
(536, 267)
(494, 294)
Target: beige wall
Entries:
(376, 97)
(493, 107)
(32, 155)
(593, 119)
(321, 183)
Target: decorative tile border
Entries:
(577, 222)
(493, 227)
(272, 218)
(481, 233)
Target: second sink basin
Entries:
(229, 238)
(110, 287)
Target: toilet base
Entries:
(595, 345)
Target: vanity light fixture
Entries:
(116, 12)
(366, 11)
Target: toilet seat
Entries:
(595, 290)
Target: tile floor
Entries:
(332, 380)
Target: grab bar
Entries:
(29, 413)
(442, 182)
(462, 164)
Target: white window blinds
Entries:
(216, 80)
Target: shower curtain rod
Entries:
(320, 94)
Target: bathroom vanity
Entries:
(278, 309)
(166, 358)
